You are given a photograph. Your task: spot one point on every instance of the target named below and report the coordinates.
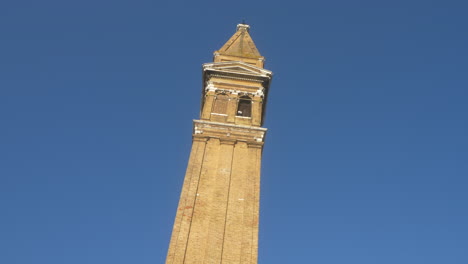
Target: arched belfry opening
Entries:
(244, 107)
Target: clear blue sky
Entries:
(366, 159)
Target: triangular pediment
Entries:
(238, 67)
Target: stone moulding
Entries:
(210, 129)
(237, 67)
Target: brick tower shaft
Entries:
(218, 212)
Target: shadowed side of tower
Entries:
(218, 212)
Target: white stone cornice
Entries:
(237, 67)
(229, 131)
(230, 125)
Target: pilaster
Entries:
(184, 213)
(208, 105)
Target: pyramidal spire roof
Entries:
(240, 44)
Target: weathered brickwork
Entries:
(218, 212)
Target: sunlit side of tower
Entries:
(218, 212)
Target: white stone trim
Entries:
(256, 71)
(245, 26)
(212, 88)
(230, 125)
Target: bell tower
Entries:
(218, 212)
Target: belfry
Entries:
(218, 212)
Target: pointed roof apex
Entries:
(243, 27)
(240, 45)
